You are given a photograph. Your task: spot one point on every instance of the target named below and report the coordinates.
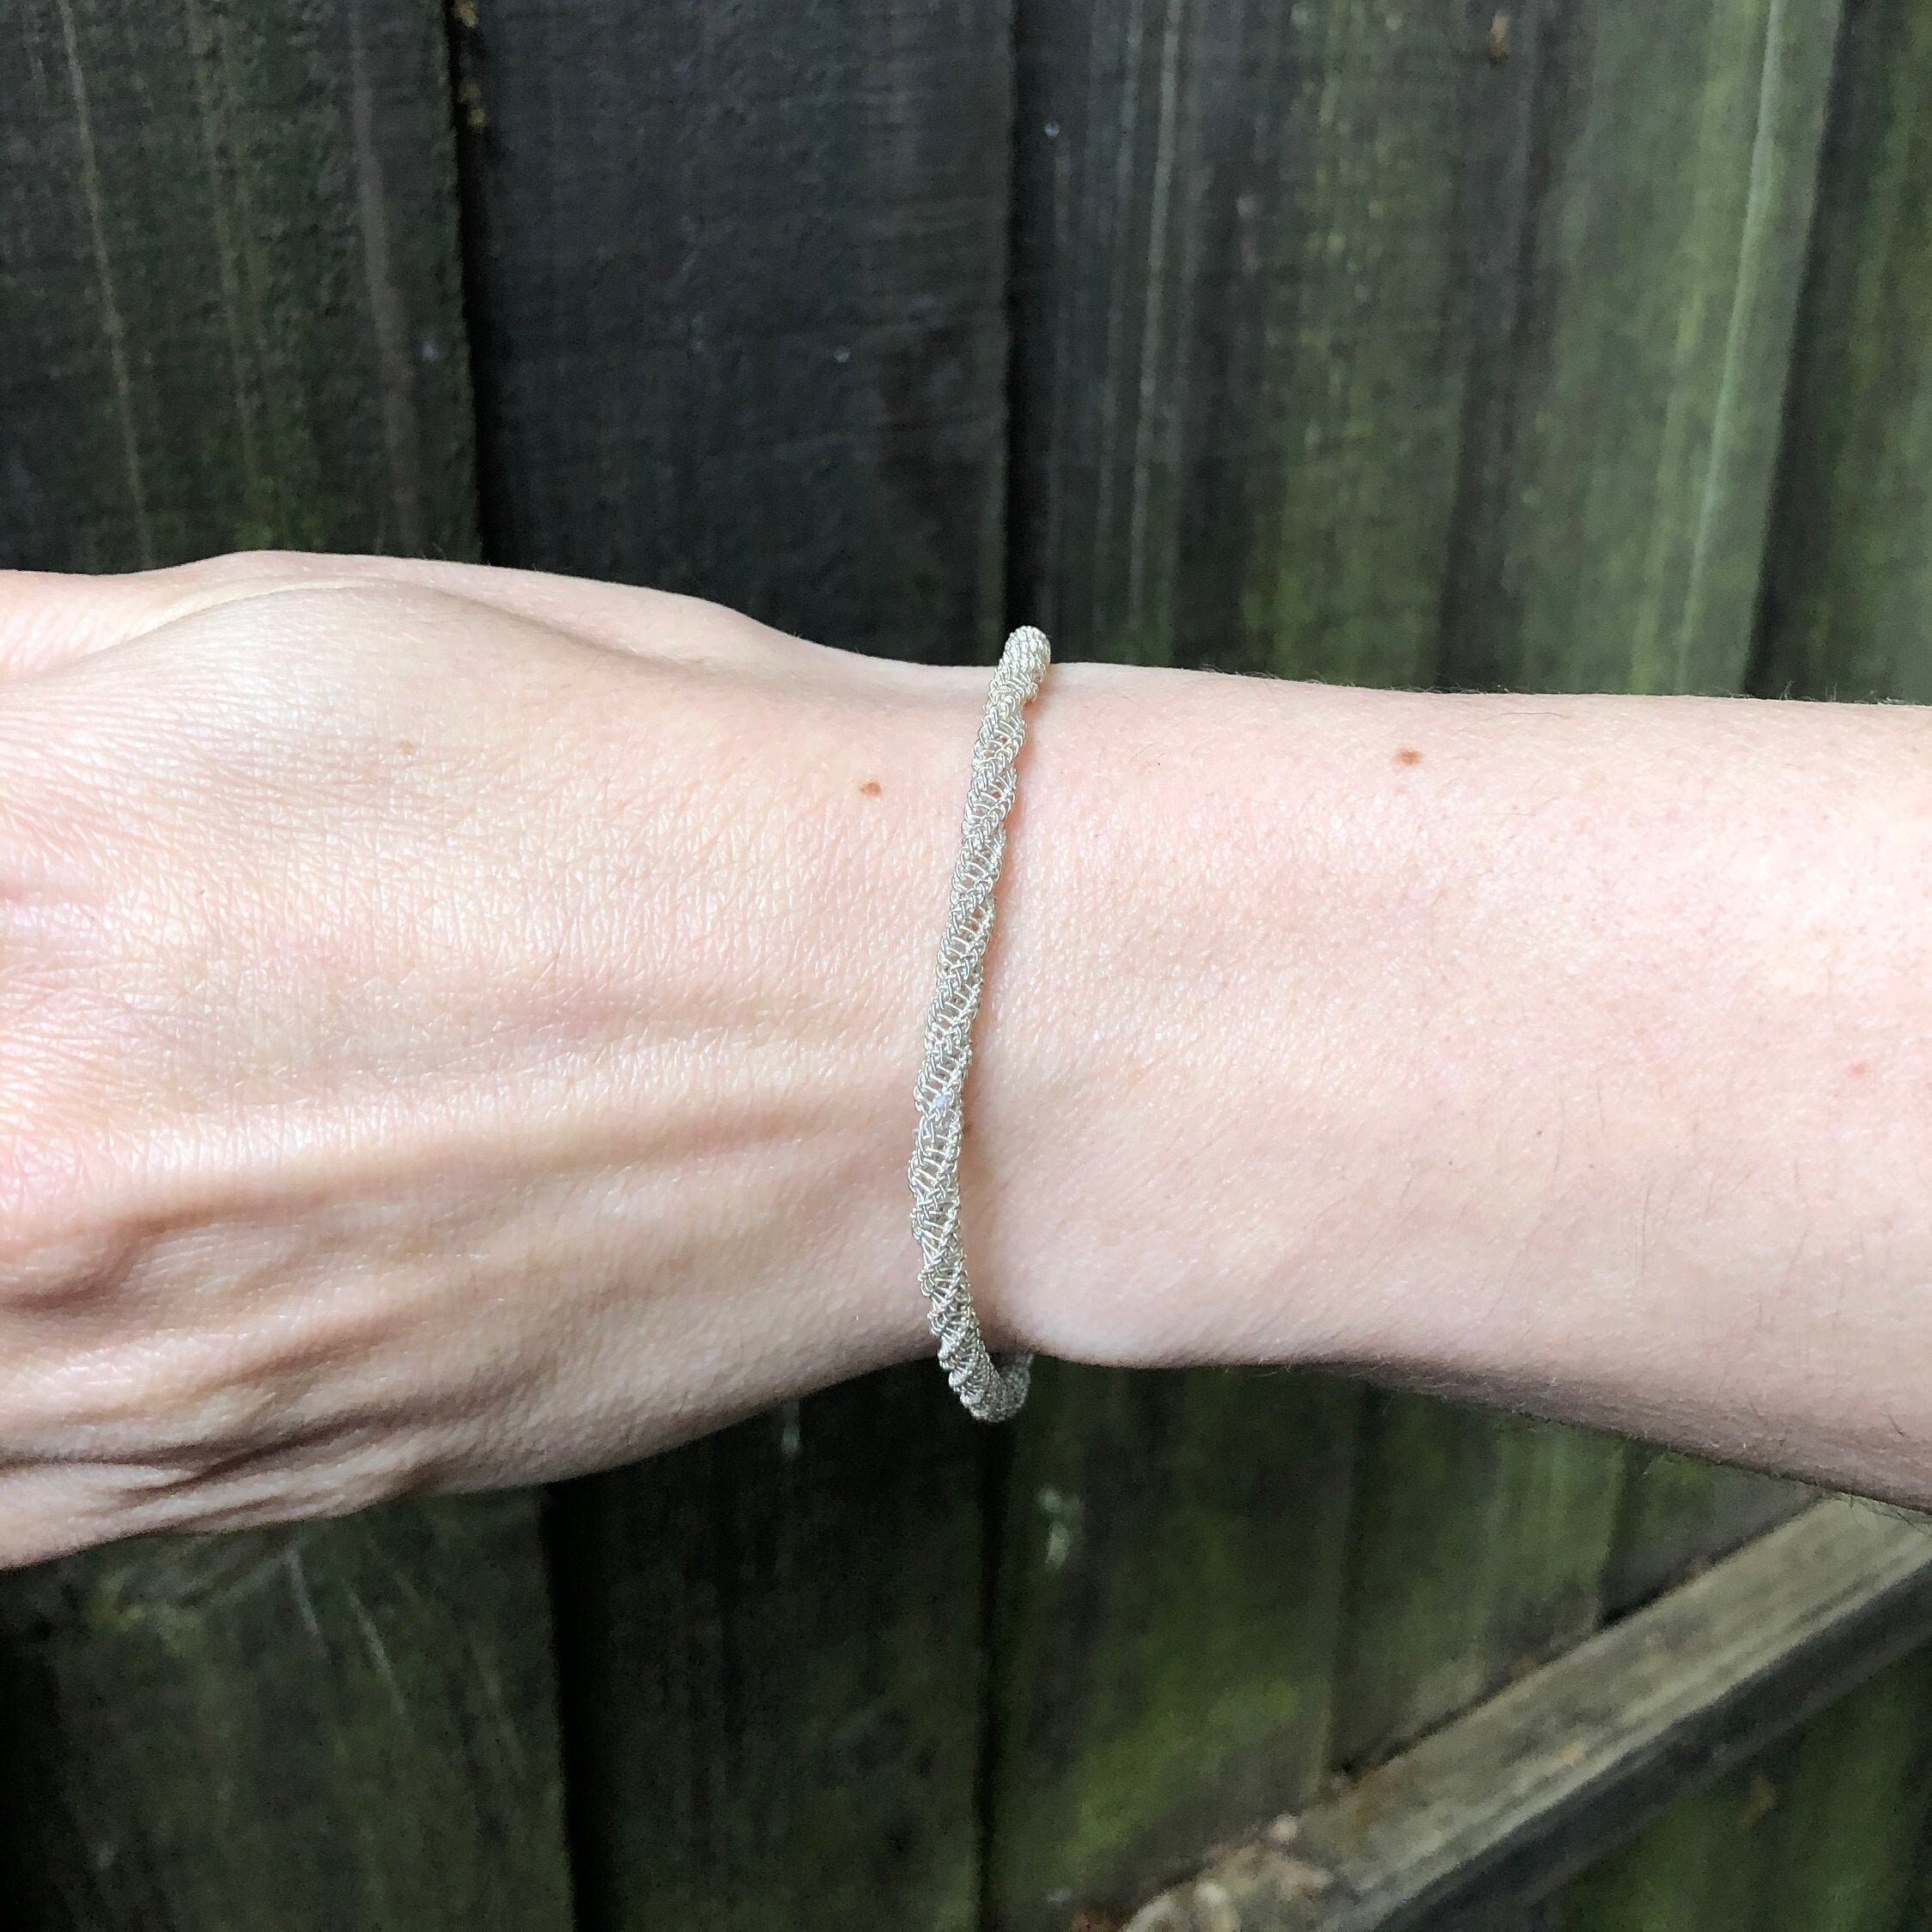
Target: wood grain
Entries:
(1243, 244)
(1480, 1545)
(229, 303)
(739, 280)
(229, 316)
(1169, 1598)
(772, 1664)
(287, 1731)
(1623, 432)
(1677, 1512)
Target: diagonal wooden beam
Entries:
(1505, 1803)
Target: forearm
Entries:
(459, 1029)
(1571, 1052)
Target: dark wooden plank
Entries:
(1849, 1798)
(740, 316)
(740, 288)
(772, 1672)
(1516, 1796)
(1695, 1869)
(344, 1725)
(1632, 338)
(229, 309)
(1244, 322)
(229, 316)
(1243, 329)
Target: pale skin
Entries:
(456, 1029)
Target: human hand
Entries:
(456, 1029)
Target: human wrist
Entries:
(1110, 999)
(1167, 1128)
(807, 811)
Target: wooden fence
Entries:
(1568, 344)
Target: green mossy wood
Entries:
(229, 316)
(1169, 1601)
(1676, 1513)
(1825, 1833)
(1694, 1870)
(739, 279)
(1618, 453)
(1849, 609)
(773, 1671)
(1243, 327)
(345, 1725)
(1622, 437)
(1480, 1540)
(1474, 1824)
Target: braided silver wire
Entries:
(993, 1391)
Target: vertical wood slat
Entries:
(1849, 607)
(1241, 341)
(1170, 1583)
(1618, 450)
(1826, 1832)
(740, 316)
(738, 279)
(287, 1731)
(1480, 1542)
(1622, 443)
(229, 316)
(773, 1675)
(1242, 332)
(228, 283)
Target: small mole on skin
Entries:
(1860, 1068)
(408, 747)
(1408, 756)
(870, 787)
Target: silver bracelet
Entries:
(991, 1390)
